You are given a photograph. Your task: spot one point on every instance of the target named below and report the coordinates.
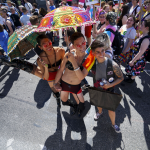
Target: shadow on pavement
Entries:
(13, 76)
(106, 138)
(42, 93)
(139, 100)
(2, 72)
(56, 142)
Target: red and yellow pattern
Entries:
(64, 17)
(89, 62)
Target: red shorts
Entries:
(52, 76)
(74, 89)
(88, 31)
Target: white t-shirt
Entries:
(134, 11)
(2, 20)
(28, 6)
(127, 33)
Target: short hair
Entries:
(96, 44)
(70, 32)
(24, 10)
(1, 28)
(147, 1)
(110, 3)
(75, 36)
(34, 19)
(35, 5)
(41, 37)
(74, 1)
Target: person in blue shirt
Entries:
(50, 5)
(4, 38)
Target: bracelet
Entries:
(77, 69)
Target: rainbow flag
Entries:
(90, 60)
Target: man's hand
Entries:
(106, 86)
(57, 87)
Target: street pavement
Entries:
(24, 127)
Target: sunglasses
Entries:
(83, 43)
(48, 44)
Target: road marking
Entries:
(9, 142)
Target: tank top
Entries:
(12, 25)
(101, 70)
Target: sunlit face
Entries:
(80, 45)
(2, 14)
(142, 27)
(46, 44)
(148, 6)
(9, 4)
(99, 53)
(102, 18)
(130, 22)
(107, 9)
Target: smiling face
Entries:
(102, 18)
(46, 44)
(107, 9)
(130, 22)
(80, 45)
(99, 53)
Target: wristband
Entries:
(77, 69)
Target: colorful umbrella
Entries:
(64, 17)
(21, 41)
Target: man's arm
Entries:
(8, 23)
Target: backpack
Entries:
(118, 42)
(109, 71)
(147, 52)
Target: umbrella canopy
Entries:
(21, 41)
(64, 17)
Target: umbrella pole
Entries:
(67, 41)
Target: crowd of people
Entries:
(64, 70)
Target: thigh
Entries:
(79, 97)
(64, 96)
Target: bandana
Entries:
(111, 17)
(102, 12)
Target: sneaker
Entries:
(97, 115)
(117, 129)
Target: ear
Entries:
(40, 47)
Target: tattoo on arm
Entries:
(117, 71)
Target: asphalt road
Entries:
(24, 127)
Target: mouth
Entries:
(49, 49)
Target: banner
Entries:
(90, 2)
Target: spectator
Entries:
(28, 6)
(128, 32)
(123, 17)
(106, 8)
(103, 4)
(67, 38)
(34, 20)
(10, 27)
(42, 12)
(111, 24)
(129, 4)
(111, 5)
(15, 18)
(35, 7)
(101, 26)
(20, 8)
(135, 8)
(98, 50)
(50, 5)
(10, 5)
(25, 18)
(64, 2)
(81, 6)
(75, 3)
(34, 12)
(4, 38)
